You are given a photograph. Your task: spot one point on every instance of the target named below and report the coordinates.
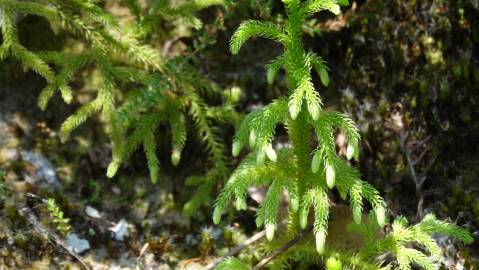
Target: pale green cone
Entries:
(316, 162)
(271, 153)
(330, 176)
(357, 215)
(381, 215)
(303, 220)
(350, 152)
(320, 241)
(176, 157)
(241, 204)
(294, 111)
(335, 9)
(217, 216)
(314, 111)
(252, 138)
(237, 146)
(270, 229)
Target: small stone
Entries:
(44, 172)
(77, 245)
(193, 266)
(116, 190)
(8, 154)
(92, 212)
(120, 230)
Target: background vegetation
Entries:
(407, 72)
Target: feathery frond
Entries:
(249, 29)
(170, 91)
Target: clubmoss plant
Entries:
(305, 171)
(311, 167)
(404, 247)
(168, 92)
(58, 220)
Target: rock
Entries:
(43, 173)
(194, 266)
(8, 155)
(120, 230)
(116, 190)
(92, 212)
(77, 245)
(8, 143)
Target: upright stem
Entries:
(299, 130)
(300, 135)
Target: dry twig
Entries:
(237, 249)
(51, 236)
(282, 249)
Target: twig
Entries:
(52, 237)
(421, 156)
(237, 249)
(282, 249)
(418, 178)
(421, 143)
(403, 138)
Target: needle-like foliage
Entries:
(171, 103)
(309, 172)
(311, 167)
(170, 92)
(410, 245)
